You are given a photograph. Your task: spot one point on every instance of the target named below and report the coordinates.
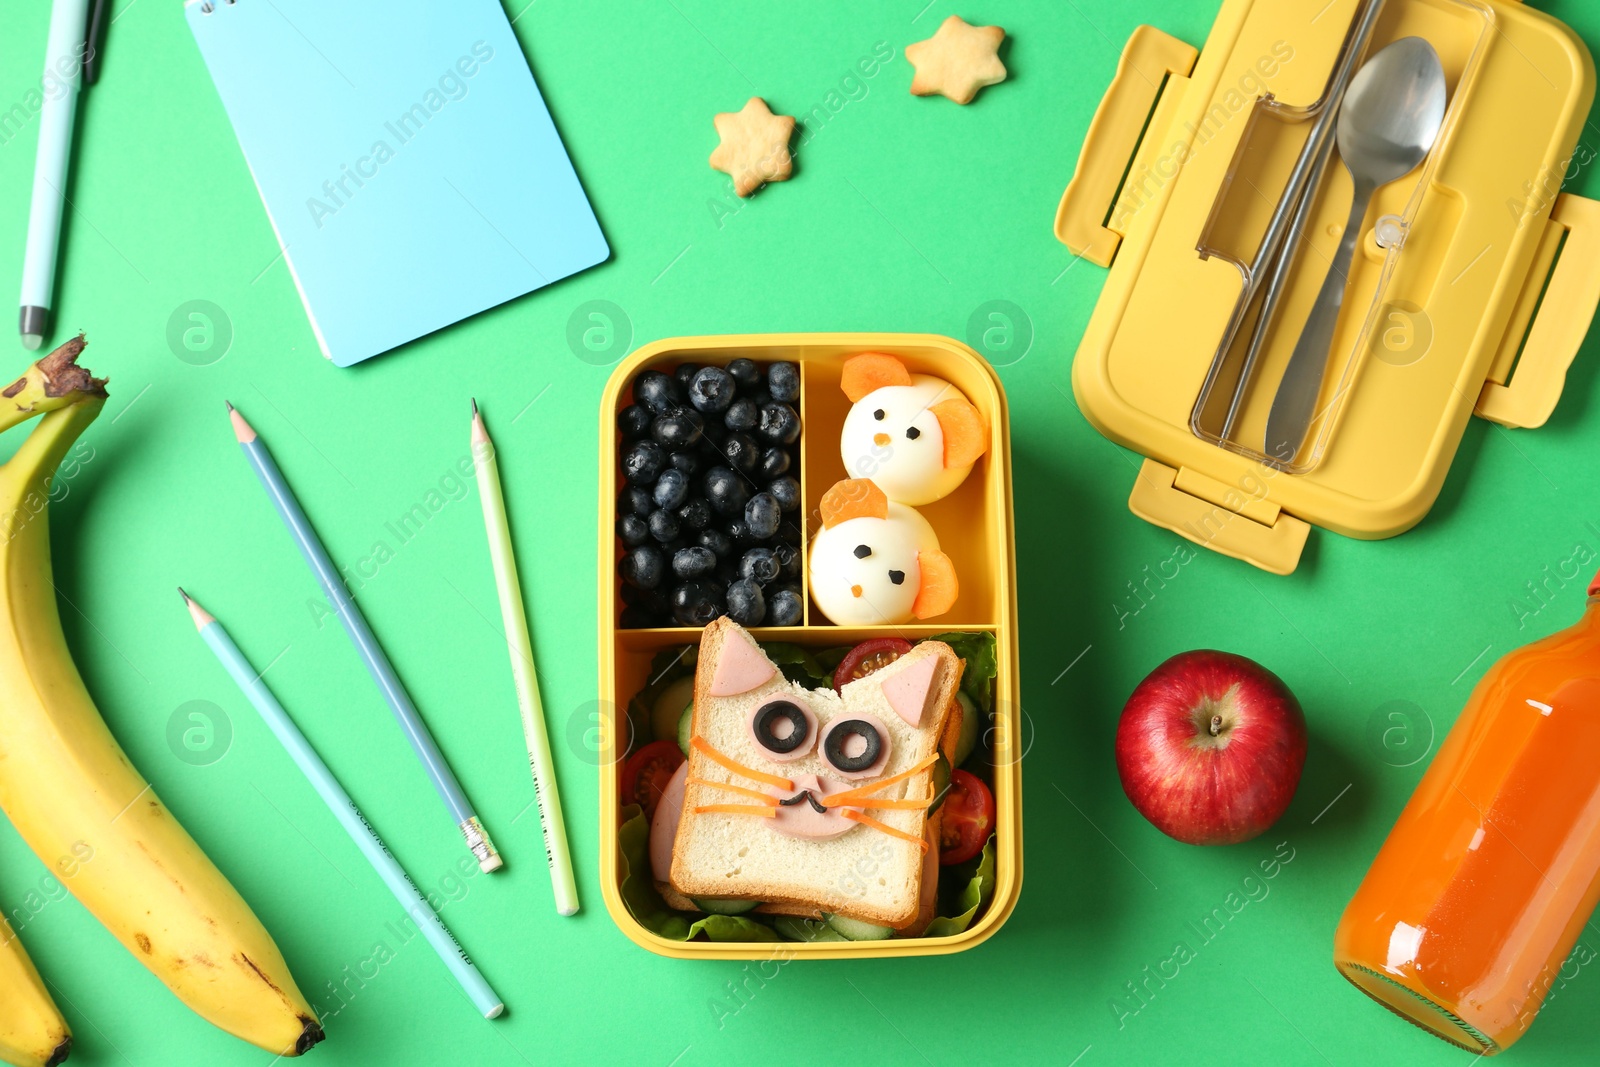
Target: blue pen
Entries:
(344, 809)
(355, 624)
(67, 54)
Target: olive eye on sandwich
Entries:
(783, 729)
(856, 745)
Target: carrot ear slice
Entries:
(853, 498)
(870, 371)
(965, 436)
(939, 586)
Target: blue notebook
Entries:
(407, 162)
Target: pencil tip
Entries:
(185, 596)
(241, 429)
(474, 407)
(199, 614)
(230, 406)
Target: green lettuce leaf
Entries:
(651, 911)
(798, 664)
(976, 881)
(977, 680)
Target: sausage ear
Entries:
(871, 371)
(741, 665)
(966, 438)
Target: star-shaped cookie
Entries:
(957, 61)
(755, 146)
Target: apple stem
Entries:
(1216, 725)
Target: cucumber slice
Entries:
(856, 930)
(668, 708)
(686, 729)
(797, 929)
(941, 783)
(970, 728)
(713, 906)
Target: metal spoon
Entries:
(1387, 126)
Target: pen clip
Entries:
(93, 34)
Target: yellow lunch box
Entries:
(974, 525)
(1474, 281)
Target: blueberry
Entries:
(689, 463)
(783, 382)
(741, 452)
(694, 515)
(784, 607)
(672, 489)
(693, 562)
(786, 491)
(745, 372)
(633, 530)
(742, 415)
(642, 462)
(695, 603)
(657, 392)
(726, 491)
(643, 567)
(712, 390)
(774, 463)
(685, 374)
(760, 565)
(664, 525)
(634, 421)
(779, 424)
(638, 619)
(788, 560)
(762, 515)
(716, 541)
(635, 500)
(759, 396)
(653, 601)
(679, 429)
(739, 531)
(746, 605)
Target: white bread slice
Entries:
(864, 874)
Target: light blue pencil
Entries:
(344, 809)
(355, 625)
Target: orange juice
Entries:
(1480, 892)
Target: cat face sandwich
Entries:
(788, 792)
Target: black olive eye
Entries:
(853, 745)
(897, 577)
(781, 727)
(913, 433)
(863, 551)
(880, 415)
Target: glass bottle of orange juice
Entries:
(1483, 886)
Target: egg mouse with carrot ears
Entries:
(875, 561)
(915, 435)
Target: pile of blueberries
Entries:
(709, 516)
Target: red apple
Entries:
(1210, 748)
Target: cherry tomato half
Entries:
(968, 818)
(867, 657)
(647, 772)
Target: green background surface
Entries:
(903, 215)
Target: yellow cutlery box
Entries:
(1474, 282)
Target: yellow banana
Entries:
(75, 797)
(32, 1031)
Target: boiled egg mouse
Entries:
(875, 561)
(914, 435)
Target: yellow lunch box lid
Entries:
(1478, 304)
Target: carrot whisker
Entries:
(867, 820)
(853, 796)
(702, 745)
(738, 809)
(765, 798)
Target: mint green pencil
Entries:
(515, 619)
(344, 809)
